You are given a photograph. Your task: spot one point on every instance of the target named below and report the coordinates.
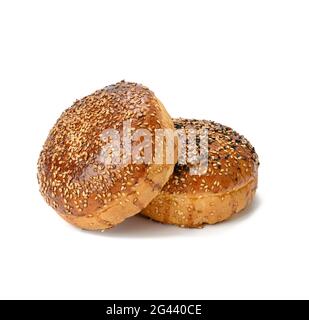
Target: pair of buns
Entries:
(96, 196)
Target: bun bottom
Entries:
(194, 211)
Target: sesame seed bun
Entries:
(227, 187)
(73, 179)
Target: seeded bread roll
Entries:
(73, 179)
(227, 188)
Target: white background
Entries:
(242, 63)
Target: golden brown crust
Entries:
(228, 186)
(71, 175)
(193, 211)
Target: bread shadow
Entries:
(143, 227)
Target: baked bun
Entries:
(227, 187)
(85, 191)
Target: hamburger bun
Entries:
(85, 191)
(226, 188)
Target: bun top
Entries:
(72, 177)
(232, 161)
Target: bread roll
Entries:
(73, 180)
(227, 188)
